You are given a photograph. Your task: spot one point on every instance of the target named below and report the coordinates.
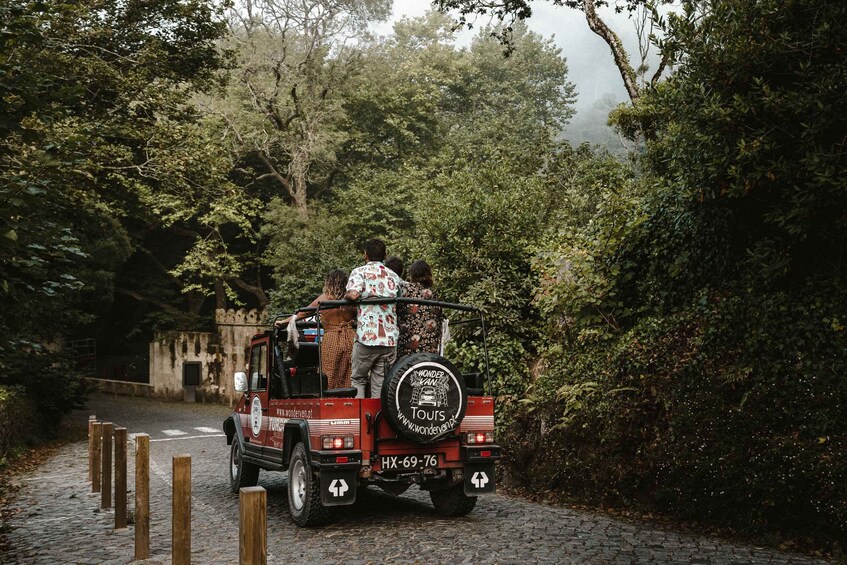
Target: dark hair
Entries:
(420, 272)
(335, 284)
(395, 264)
(375, 248)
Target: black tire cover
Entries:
(424, 397)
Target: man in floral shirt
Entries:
(376, 331)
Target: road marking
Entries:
(45, 478)
(207, 430)
(187, 437)
(174, 433)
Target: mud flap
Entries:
(479, 479)
(338, 486)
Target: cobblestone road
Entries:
(56, 520)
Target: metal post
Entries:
(142, 497)
(181, 527)
(253, 526)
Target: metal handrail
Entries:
(330, 304)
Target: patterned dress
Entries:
(336, 353)
(420, 326)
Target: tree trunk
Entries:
(220, 295)
(599, 27)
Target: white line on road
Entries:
(187, 437)
(174, 433)
(45, 478)
(207, 430)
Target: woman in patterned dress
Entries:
(420, 325)
(339, 335)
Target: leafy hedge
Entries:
(697, 353)
(734, 410)
(15, 420)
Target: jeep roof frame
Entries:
(329, 304)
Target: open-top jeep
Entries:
(433, 425)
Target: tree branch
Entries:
(275, 173)
(252, 289)
(150, 300)
(599, 27)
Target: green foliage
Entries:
(731, 410)
(752, 127)
(303, 250)
(474, 228)
(697, 348)
(580, 261)
(85, 87)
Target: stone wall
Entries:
(220, 354)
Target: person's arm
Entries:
(301, 315)
(355, 286)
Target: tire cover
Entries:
(424, 397)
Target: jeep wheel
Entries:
(241, 473)
(452, 501)
(304, 491)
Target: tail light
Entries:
(474, 438)
(337, 442)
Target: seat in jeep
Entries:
(305, 380)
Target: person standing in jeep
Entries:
(376, 332)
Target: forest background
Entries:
(667, 325)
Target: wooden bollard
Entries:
(253, 526)
(120, 478)
(97, 433)
(142, 497)
(91, 420)
(181, 528)
(106, 466)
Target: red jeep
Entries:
(433, 425)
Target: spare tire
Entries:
(424, 397)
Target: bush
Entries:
(15, 420)
(732, 410)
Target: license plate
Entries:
(405, 462)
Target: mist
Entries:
(590, 64)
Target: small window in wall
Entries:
(258, 367)
(191, 374)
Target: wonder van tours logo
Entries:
(430, 387)
(429, 400)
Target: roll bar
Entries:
(329, 304)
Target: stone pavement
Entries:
(56, 520)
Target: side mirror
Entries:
(240, 382)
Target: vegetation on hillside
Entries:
(668, 331)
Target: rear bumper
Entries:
(480, 453)
(337, 459)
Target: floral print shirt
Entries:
(420, 326)
(376, 323)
